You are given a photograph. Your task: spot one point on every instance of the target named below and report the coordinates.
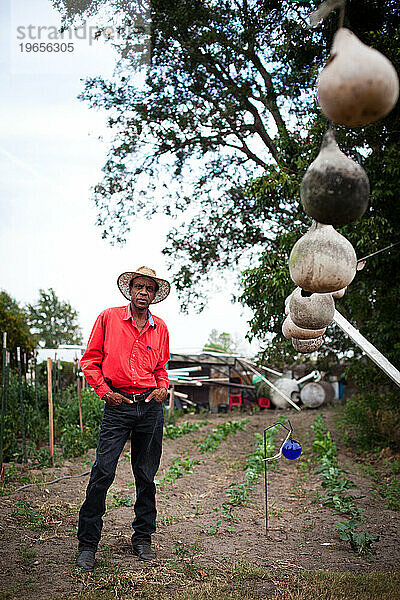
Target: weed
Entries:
(186, 554)
(298, 492)
(27, 556)
(214, 529)
(274, 510)
(168, 519)
(119, 500)
(45, 516)
(390, 491)
(395, 468)
(26, 516)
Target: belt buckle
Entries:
(134, 397)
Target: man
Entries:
(125, 362)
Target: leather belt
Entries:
(135, 397)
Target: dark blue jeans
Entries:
(143, 421)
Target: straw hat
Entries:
(123, 280)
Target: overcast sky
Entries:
(50, 157)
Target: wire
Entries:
(49, 482)
(378, 251)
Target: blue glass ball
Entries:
(291, 449)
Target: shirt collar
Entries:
(128, 315)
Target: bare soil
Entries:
(38, 546)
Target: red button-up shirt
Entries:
(119, 355)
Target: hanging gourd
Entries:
(335, 189)
(307, 346)
(322, 260)
(311, 311)
(358, 85)
(290, 330)
(339, 293)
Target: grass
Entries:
(184, 579)
(47, 515)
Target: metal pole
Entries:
(172, 399)
(266, 482)
(369, 349)
(24, 366)
(50, 405)
(3, 399)
(21, 403)
(59, 376)
(80, 406)
(36, 382)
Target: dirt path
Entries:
(38, 525)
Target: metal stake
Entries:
(290, 430)
(80, 406)
(36, 382)
(50, 406)
(3, 398)
(21, 403)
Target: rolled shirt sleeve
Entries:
(160, 373)
(93, 357)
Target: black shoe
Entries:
(86, 560)
(143, 551)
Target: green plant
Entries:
(214, 529)
(395, 468)
(390, 491)
(220, 433)
(172, 431)
(179, 467)
(119, 500)
(360, 542)
(335, 482)
(26, 555)
(186, 554)
(371, 419)
(27, 517)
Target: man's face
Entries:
(143, 291)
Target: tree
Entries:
(228, 106)
(54, 322)
(14, 321)
(220, 342)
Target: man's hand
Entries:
(114, 399)
(159, 395)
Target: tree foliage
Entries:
(220, 342)
(54, 321)
(221, 132)
(14, 321)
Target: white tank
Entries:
(289, 387)
(315, 394)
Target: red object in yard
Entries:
(264, 402)
(235, 400)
